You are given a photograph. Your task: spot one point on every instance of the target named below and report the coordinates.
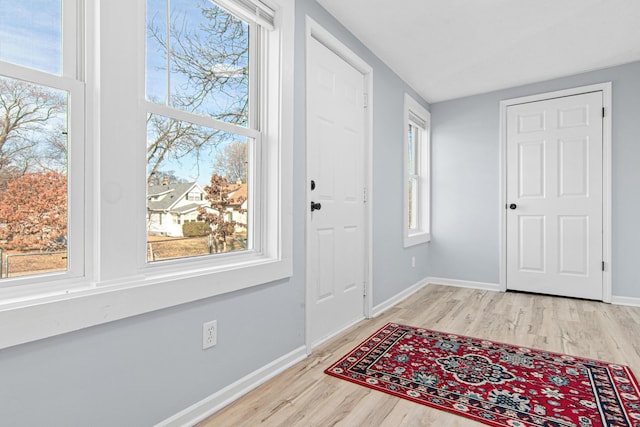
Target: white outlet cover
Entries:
(209, 334)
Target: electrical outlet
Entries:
(209, 334)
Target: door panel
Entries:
(532, 245)
(531, 176)
(573, 167)
(554, 184)
(574, 245)
(335, 162)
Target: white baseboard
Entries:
(322, 340)
(381, 308)
(617, 300)
(463, 284)
(208, 406)
(633, 302)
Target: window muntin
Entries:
(205, 130)
(416, 171)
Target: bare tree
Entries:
(32, 129)
(231, 162)
(168, 177)
(209, 75)
(173, 139)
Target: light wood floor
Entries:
(305, 396)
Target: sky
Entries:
(30, 34)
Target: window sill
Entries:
(31, 319)
(416, 239)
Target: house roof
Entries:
(186, 208)
(237, 194)
(172, 193)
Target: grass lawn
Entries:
(25, 263)
(162, 247)
(158, 248)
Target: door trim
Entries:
(320, 34)
(605, 88)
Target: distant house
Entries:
(237, 195)
(171, 205)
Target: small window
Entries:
(417, 173)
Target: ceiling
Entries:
(448, 49)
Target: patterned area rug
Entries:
(493, 383)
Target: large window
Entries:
(41, 140)
(147, 147)
(203, 89)
(416, 172)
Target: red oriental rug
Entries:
(493, 383)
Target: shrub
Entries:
(195, 229)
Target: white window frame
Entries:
(71, 81)
(117, 282)
(263, 84)
(418, 117)
(258, 115)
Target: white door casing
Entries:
(337, 232)
(554, 196)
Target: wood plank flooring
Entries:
(305, 396)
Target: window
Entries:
(194, 197)
(203, 89)
(214, 133)
(120, 185)
(416, 172)
(41, 141)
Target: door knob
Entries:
(512, 206)
(315, 206)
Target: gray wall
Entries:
(142, 370)
(465, 204)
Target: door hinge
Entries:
(364, 195)
(366, 100)
(603, 266)
(603, 112)
(364, 289)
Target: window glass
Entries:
(411, 159)
(206, 67)
(157, 81)
(31, 34)
(198, 64)
(413, 140)
(206, 186)
(416, 171)
(33, 178)
(413, 203)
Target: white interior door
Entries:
(335, 167)
(554, 196)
